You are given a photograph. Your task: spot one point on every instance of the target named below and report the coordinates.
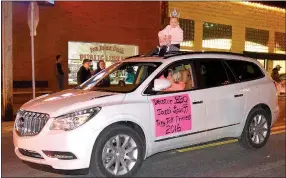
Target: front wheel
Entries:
(256, 130)
(118, 152)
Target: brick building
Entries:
(223, 26)
(134, 23)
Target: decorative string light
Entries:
(257, 5)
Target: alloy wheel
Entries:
(258, 129)
(119, 154)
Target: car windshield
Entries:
(122, 77)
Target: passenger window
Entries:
(179, 76)
(244, 70)
(212, 73)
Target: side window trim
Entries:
(147, 91)
(226, 73)
(226, 66)
(199, 77)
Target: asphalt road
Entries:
(222, 160)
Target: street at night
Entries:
(225, 158)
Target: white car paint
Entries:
(219, 109)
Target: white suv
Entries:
(148, 104)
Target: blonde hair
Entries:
(177, 76)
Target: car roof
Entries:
(177, 55)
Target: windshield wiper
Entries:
(77, 88)
(104, 90)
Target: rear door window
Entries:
(245, 70)
(212, 73)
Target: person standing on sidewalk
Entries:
(100, 66)
(60, 72)
(84, 72)
(275, 74)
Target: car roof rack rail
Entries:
(170, 54)
(166, 54)
(139, 55)
(199, 52)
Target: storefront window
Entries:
(188, 27)
(110, 53)
(262, 62)
(280, 43)
(256, 40)
(217, 36)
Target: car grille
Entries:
(30, 123)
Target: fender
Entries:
(125, 118)
(240, 130)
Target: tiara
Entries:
(175, 14)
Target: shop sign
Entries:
(110, 53)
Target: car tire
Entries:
(97, 165)
(248, 138)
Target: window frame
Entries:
(148, 90)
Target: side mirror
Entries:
(161, 84)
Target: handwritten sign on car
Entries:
(172, 114)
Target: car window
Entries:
(212, 73)
(122, 78)
(179, 74)
(245, 70)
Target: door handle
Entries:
(238, 95)
(198, 102)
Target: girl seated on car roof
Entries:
(171, 36)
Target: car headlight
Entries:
(73, 120)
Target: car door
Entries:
(247, 88)
(220, 97)
(177, 117)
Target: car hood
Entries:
(71, 100)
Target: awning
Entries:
(269, 56)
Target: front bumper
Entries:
(80, 142)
